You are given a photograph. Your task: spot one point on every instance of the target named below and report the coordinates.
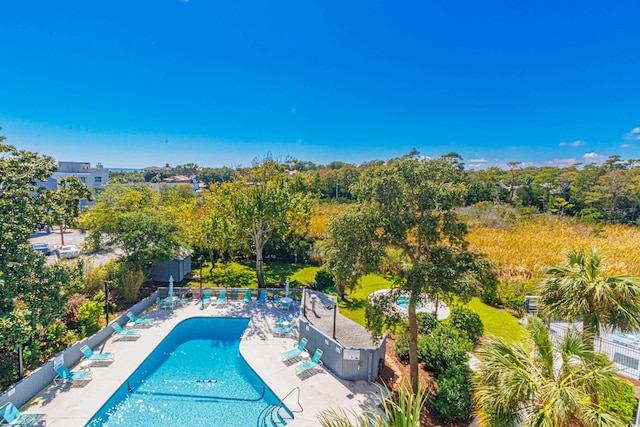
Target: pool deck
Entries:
(74, 406)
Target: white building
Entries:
(94, 178)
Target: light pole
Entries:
(201, 296)
(106, 298)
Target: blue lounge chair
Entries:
(292, 355)
(144, 323)
(125, 334)
(96, 358)
(284, 329)
(13, 417)
(67, 376)
(247, 298)
(206, 298)
(310, 365)
(285, 320)
(262, 299)
(222, 299)
(164, 304)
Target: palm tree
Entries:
(401, 409)
(580, 290)
(551, 385)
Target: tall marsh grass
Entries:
(521, 251)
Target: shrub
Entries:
(88, 317)
(323, 280)
(427, 322)
(402, 349)
(468, 322)
(444, 348)
(624, 404)
(453, 398)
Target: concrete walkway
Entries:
(74, 406)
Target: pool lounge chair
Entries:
(262, 299)
(125, 334)
(291, 355)
(247, 298)
(284, 329)
(67, 376)
(13, 417)
(138, 322)
(222, 299)
(206, 298)
(96, 358)
(164, 304)
(310, 365)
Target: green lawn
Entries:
(354, 307)
(243, 275)
(498, 323)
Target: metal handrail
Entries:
(298, 400)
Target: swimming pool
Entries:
(403, 302)
(195, 377)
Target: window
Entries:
(83, 180)
(97, 180)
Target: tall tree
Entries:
(542, 384)
(581, 290)
(32, 294)
(409, 205)
(130, 219)
(263, 204)
(64, 202)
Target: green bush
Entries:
(323, 280)
(624, 404)
(427, 322)
(88, 318)
(402, 349)
(453, 398)
(444, 348)
(468, 322)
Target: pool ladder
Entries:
(271, 416)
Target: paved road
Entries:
(71, 237)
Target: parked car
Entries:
(42, 247)
(69, 251)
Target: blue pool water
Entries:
(195, 377)
(403, 302)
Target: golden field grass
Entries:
(320, 215)
(521, 252)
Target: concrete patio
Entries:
(74, 406)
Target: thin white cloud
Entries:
(594, 158)
(478, 161)
(561, 163)
(576, 143)
(632, 135)
(626, 145)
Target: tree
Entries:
(550, 385)
(130, 219)
(64, 202)
(264, 204)
(32, 294)
(408, 204)
(580, 290)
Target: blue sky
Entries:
(141, 83)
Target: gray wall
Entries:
(161, 271)
(346, 363)
(27, 388)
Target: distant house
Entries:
(94, 178)
(178, 268)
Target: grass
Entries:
(498, 323)
(353, 308)
(234, 274)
